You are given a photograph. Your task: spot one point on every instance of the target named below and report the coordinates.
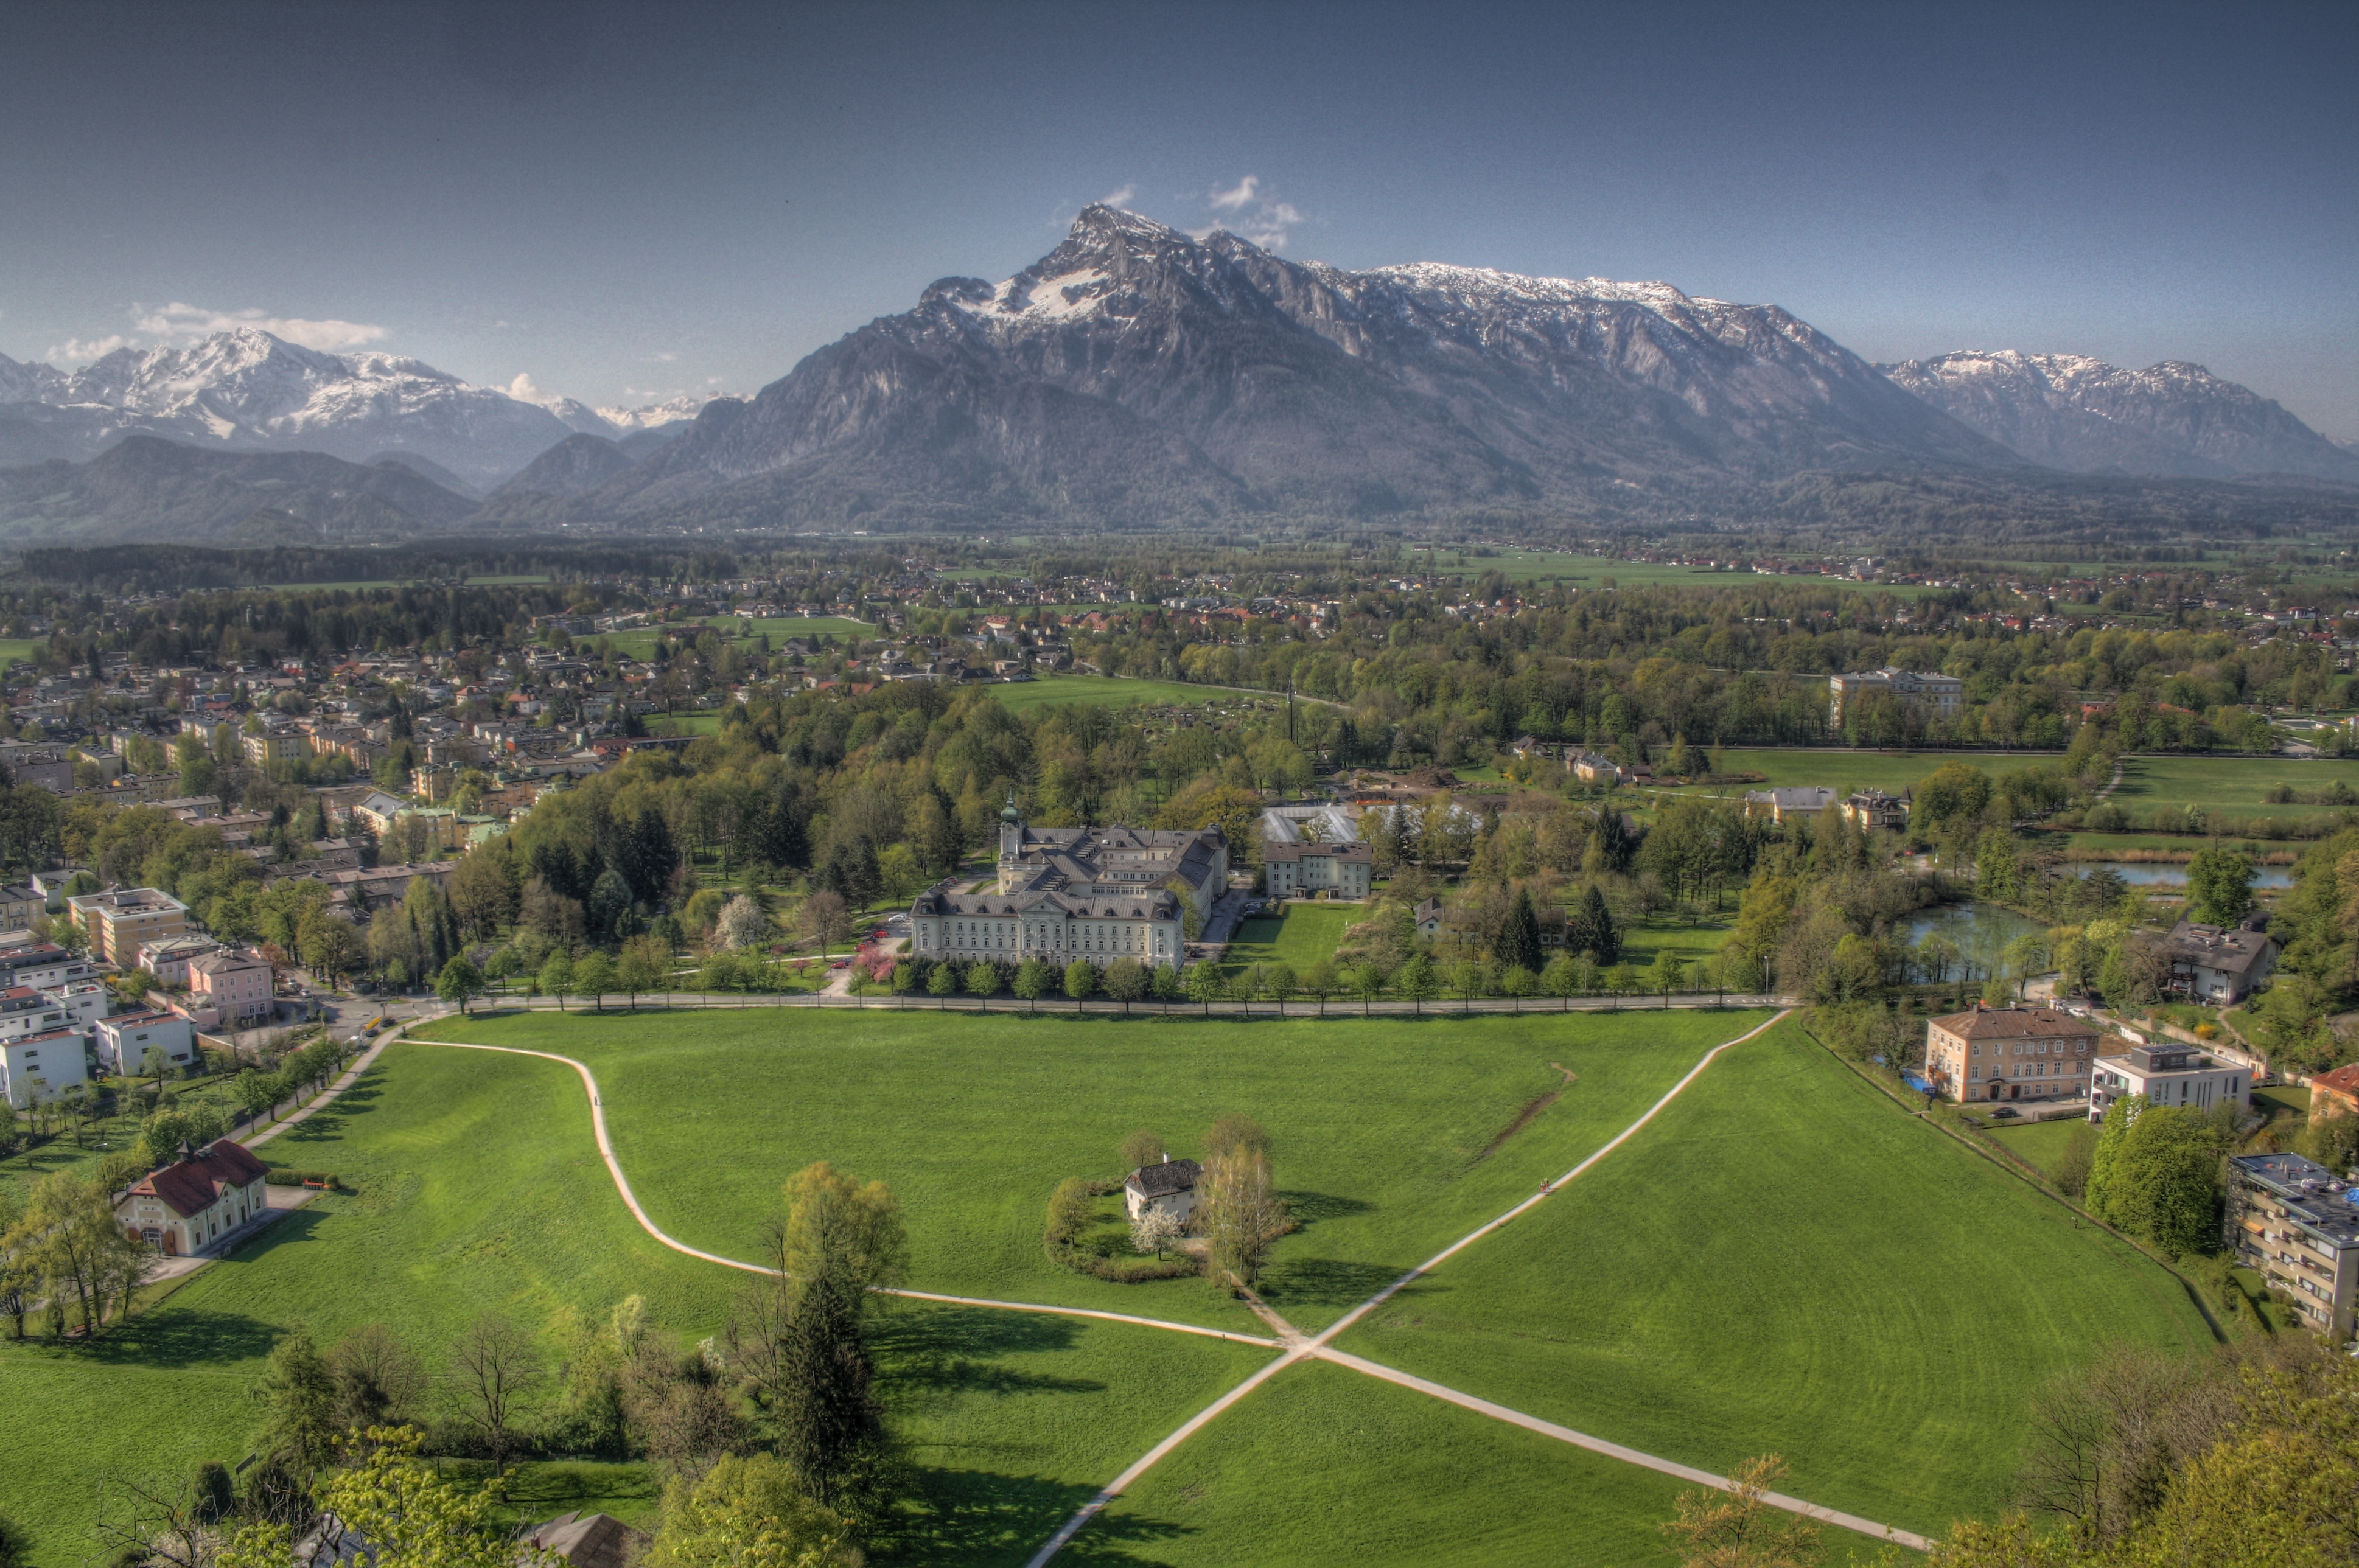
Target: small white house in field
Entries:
(1168, 1187)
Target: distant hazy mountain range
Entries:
(2070, 412)
(1138, 377)
(247, 390)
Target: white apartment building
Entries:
(2167, 1074)
(41, 1066)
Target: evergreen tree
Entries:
(1519, 942)
(1590, 929)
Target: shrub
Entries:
(1072, 1208)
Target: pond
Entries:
(2168, 874)
(1978, 932)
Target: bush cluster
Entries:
(1072, 1208)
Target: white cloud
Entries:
(180, 319)
(1118, 197)
(667, 358)
(1237, 195)
(74, 348)
(1259, 219)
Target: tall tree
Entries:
(1519, 941)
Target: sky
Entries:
(622, 203)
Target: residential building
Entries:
(237, 986)
(276, 746)
(168, 959)
(2293, 1219)
(1428, 917)
(1943, 695)
(83, 1003)
(1778, 804)
(1168, 1187)
(117, 923)
(2216, 966)
(18, 907)
(376, 810)
(1872, 808)
(1306, 870)
(1589, 767)
(195, 1201)
(2335, 1093)
(124, 1041)
(2169, 1075)
(1099, 893)
(589, 1541)
(41, 1066)
(2010, 1053)
(41, 963)
(25, 1009)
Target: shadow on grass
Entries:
(926, 1358)
(1310, 1208)
(1326, 1282)
(976, 1517)
(178, 1336)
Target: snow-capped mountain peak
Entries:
(2073, 411)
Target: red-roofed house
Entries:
(2335, 1093)
(193, 1202)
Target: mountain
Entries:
(248, 390)
(2071, 412)
(577, 463)
(145, 488)
(1137, 375)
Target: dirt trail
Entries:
(1524, 1117)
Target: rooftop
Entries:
(2016, 1024)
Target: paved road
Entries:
(1300, 1008)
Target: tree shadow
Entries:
(179, 1336)
(929, 1358)
(1310, 1208)
(1325, 1282)
(977, 1517)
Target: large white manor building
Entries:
(1098, 893)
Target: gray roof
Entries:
(2212, 947)
(1807, 797)
(1160, 1181)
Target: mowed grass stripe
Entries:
(1785, 1262)
(973, 1121)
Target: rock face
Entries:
(2070, 412)
(145, 488)
(247, 390)
(1140, 376)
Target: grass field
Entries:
(1846, 770)
(1107, 691)
(1326, 1469)
(13, 649)
(2038, 1143)
(1379, 1131)
(2230, 784)
(1305, 934)
(478, 1187)
(1786, 1262)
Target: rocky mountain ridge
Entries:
(2084, 415)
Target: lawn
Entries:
(2037, 1144)
(1785, 1261)
(1846, 770)
(1380, 1126)
(1304, 934)
(12, 649)
(1108, 690)
(1326, 1466)
(2231, 784)
(478, 1187)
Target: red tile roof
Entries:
(2016, 1024)
(192, 1186)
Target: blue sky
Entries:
(626, 203)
